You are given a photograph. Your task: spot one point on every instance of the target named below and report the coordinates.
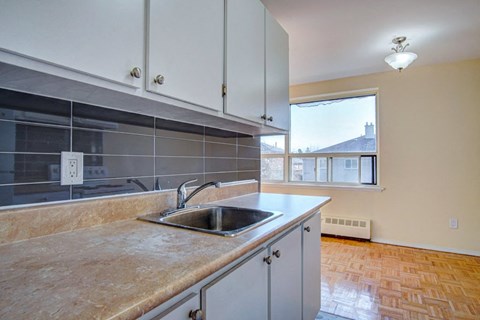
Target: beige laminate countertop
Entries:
(124, 269)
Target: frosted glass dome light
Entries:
(400, 59)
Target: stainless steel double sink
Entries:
(219, 220)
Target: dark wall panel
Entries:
(124, 152)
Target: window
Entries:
(273, 153)
(331, 141)
(351, 163)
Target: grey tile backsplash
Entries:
(123, 152)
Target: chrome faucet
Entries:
(182, 198)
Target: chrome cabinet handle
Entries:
(159, 79)
(136, 72)
(270, 119)
(307, 229)
(277, 253)
(268, 260)
(196, 314)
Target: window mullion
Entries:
(329, 169)
(359, 168)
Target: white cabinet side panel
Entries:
(311, 267)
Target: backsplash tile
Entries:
(87, 116)
(248, 152)
(21, 137)
(223, 136)
(123, 152)
(178, 147)
(245, 140)
(220, 164)
(103, 142)
(97, 188)
(178, 165)
(248, 164)
(28, 167)
(33, 193)
(248, 175)
(18, 106)
(175, 129)
(117, 166)
(222, 176)
(173, 181)
(220, 150)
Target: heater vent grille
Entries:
(347, 227)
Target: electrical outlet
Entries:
(453, 223)
(71, 168)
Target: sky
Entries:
(326, 123)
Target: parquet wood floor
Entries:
(366, 281)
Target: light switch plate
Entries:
(71, 168)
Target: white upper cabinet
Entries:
(245, 59)
(256, 65)
(277, 105)
(185, 50)
(99, 38)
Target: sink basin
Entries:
(219, 220)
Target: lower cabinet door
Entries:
(286, 277)
(183, 310)
(240, 294)
(311, 267)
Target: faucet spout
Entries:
(182, 199)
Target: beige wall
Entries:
(429, 122)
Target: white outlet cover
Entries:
(71, 168)
(453, 223)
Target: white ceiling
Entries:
(332, 39)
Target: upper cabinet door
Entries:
(185, 50)
(99, 38)
(276, 78)
(245, 59)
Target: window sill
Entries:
(307, 185)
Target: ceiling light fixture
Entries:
(400, 59)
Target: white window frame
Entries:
(287, 156)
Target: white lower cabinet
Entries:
(281, 281)
(240, 294)
(311, 267)
(186, 309)
(267, 286)
(286, 277)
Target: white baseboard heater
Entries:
(346, 227)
